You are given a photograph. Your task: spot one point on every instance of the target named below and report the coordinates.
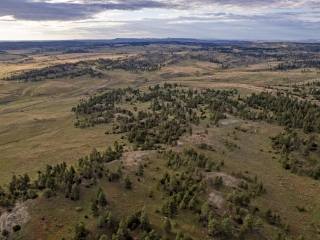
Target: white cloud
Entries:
(71, 19)
(7, 18)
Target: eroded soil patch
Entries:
(216, 199)
(18, 216)
(228, 180)
(133, 158)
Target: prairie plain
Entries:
(220, 140)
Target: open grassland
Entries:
(37, 129)
(253, 156)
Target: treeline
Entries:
(205, 56)
(76, 50)
(173, 109)
(59, 178)
(289, 144)
(57, 71)
(142, 62)
(294, 56)
(182, 188)
(280, 108)
(296, 154)
(171, 112)
(184, 193)
(297, 64)
(101, 108)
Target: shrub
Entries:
(48, 193)
(32, 194)
(5, 232)
(16, 228)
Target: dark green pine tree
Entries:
(127, 182)
(94, 208)
(167, 225)
(102, 199)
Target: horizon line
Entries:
(168, 38)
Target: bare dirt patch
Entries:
(179, 143)
(228, 121)
(196, 138)
(133, 158)
(3, 95)
(18, 216)
(234, 85)
(228, 180)
(216, 199)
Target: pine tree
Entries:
(248, 222)
(192, 203)
(102, 199)
(182, 205)
(287, 227)
(111, 220)
(226, 227)
(213, 227)
(94, 208)
(205, 209)
(123, 232)
(101, 221)
(242, 232)
(167, 225)
(179, 236)
(140, 170)
(75, 192)
(144, 221)
(80, 232)
(127, 182)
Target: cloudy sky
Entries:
(205, 19)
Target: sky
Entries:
(205, 19)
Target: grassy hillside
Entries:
(197, 152)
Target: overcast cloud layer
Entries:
(100, 19)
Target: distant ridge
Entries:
(87, 43)
(135, 40)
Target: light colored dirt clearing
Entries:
(225, 122)
(216, 199)
(133, 158)
(235, 85)
(179, 143)
(18, 216)
(195, 138)
(228, 180)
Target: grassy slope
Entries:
(37, 129)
